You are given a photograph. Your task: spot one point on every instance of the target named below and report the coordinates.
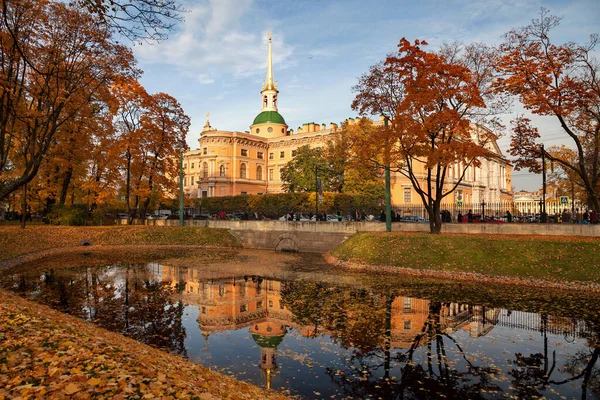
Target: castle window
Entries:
(407, 324)
(257, 130)
(259, 304)
(269, 129)
(271, 156)
(260, 155)
(243, 171)
(270, 303)
(282, 154)
(184, 166)
(259, 173)
(275, 101)
(192, 180)
(205, 150)
(222, 289)
(244, 153)
(222, 170)
(204, 170)
(185, 181)
(294, 152)
(265, 101)
(271, 174)
(243, 308)
(407, 195)
(192, 165)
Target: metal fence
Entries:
(488, 212)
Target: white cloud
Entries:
(214, 39)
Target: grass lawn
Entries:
(15, 241)
(541, 257)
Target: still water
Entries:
(311, 331)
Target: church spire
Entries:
(269, 83)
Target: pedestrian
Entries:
(470, 216)
(382, 216)
(459, 218)
(508, 216)
(586, 217)
(594, 217)
(339, 216)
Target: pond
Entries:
(297, 325)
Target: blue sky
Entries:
(216, 60)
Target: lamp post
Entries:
(483, 211)
(542, 219)
(316, 192)
(181, 188)
(388, 197)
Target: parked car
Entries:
(412, 218)
(202, 217)
(122, 215)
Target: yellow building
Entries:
(231, 163)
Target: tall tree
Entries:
(298, 175)
(429, 104)
(165, 127)
(137, 20)
(561, 81)
(54, 60)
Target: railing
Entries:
(489, 212)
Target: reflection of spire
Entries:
(205, 335)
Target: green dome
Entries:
(269, 116)
(267, 341)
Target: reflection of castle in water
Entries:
(235, 303)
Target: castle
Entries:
(229, 163)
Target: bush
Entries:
(274, 205)
(75, 215)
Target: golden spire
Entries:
(269, 85)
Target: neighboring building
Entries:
(231, 163)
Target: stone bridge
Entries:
(321, 237)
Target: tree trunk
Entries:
(435, 219)
(128, 185)
(24, 207)
(65, 184)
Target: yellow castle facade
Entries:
(229, 163)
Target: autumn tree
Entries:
(428, 105)
(164, 127)
(55, 60)
(560, 81)
(133, 101)
(137, 20)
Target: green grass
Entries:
(540, 257)
(15, 241)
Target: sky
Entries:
(216, 59)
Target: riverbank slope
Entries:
(543, 258)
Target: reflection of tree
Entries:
(134, 303)
(361, 320)
(583, 366)
(532, 374)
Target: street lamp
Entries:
(542, 218)
(388, 197)
(483, 211)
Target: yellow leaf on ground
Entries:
(93, 381)
(72, 388)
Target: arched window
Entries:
(222, 170)
(243, 171)
(275, 101)
(205, 170)
(259, 173)
(265, 101)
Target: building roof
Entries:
(269, 116)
